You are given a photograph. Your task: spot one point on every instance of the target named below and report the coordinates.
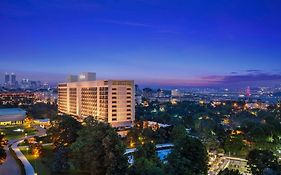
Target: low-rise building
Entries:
(12, 116)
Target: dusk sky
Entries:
(154, 42)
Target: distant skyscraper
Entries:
(13, 79)
(7, 78)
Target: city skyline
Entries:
(157, 44)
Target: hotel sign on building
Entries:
(109, 101)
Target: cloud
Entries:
(234, 79)
(128, 23)
(253, 77)
(253, 71)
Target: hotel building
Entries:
(110, 101)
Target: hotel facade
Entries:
(111, 101)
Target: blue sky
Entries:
(155, 42)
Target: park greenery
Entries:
(188, 157)
(263, 162)
(229, 127)
(3, 154)
(95, 148)
(41, 110)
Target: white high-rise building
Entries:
(111, 101)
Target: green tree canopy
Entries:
(63, 133)
(3, 154)
(189, 156)
(261, 161)
(99, 149)
(146, 161)
(63, 130)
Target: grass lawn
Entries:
(11, 134)
(42, 164)
(39, 164)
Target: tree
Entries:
(3, 154)
(261, 161)
(146, 161)
(229, 172)
(42, 110)
(63, 131)
(178, 133)
(99, 149)
(189, 157)
(143, 166)
(148, 151)
(60, 163)
(36, 148)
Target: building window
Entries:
(114, 97)
(114, 115)
(129, 106)
(114, 89)
(128, 114)
(114, 110)
(129, 110)
(114, 101)
(128, 118)
(114, 119)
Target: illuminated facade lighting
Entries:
(109, 101)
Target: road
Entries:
(10, 167)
